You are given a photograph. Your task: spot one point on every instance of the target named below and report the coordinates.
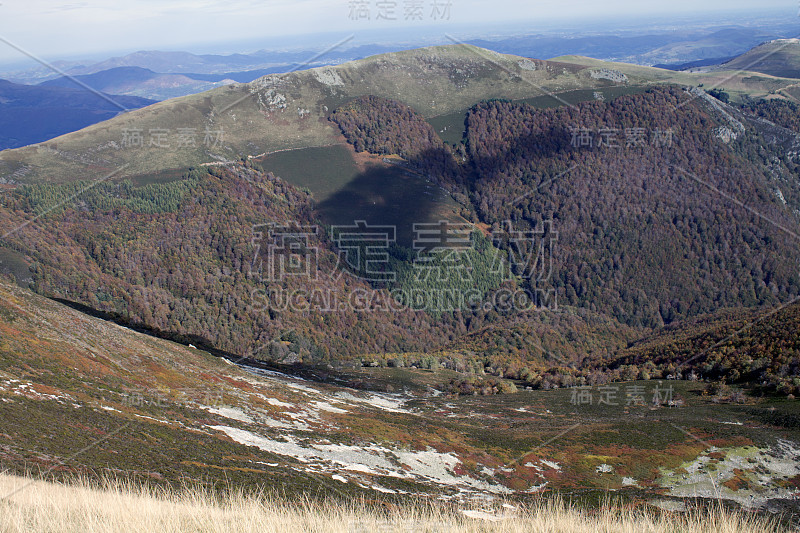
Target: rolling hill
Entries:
(780, 57)
(676, 46)
(137, 81)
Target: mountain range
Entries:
(157, 75)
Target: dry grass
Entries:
(28, 505)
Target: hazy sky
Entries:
(58, 29)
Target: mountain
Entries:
(721, 43)
(653, 48)
(289, 111)
(113, 255)
(658, 196)
(137, 81)
(180, 62)
(160, 75)
(779, 57)
(294, 154)
(105, 79)
(692, 43)
(203, 66)
(185, 63)
(30, 114)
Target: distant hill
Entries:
(137, 81)
(31, 114)
(105, 79)
(288, 111)
(725, 42)
(207, 67)
(187, 63)
(648, 49)
(780, 57)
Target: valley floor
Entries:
(31, 505)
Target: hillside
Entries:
(189, 258)
(165, 414)
(780, 57)
(784, 113)
(612, 195)
(755, 349)
(741, 84)
(760, 347)
(611, 199)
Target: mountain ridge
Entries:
(289, 111)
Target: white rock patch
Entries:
(609, 74)
(325, 406)
(425, 466)
(231, 413)
(329, 77)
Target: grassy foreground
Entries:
(31, 505)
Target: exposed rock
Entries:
(609, 74)
(329, 77)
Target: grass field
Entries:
(323, 170)
(29, 505)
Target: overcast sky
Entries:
(59, 29)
